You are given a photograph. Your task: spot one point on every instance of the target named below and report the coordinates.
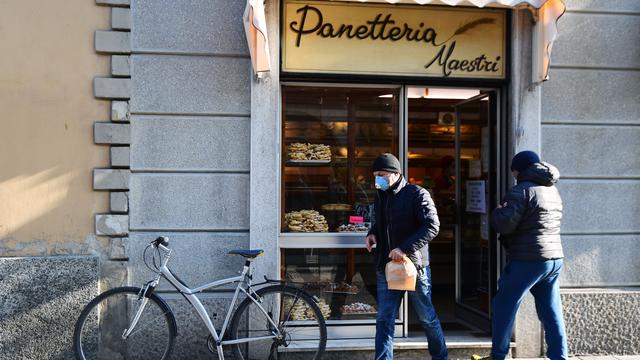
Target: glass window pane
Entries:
(343, 279)
(331, 137)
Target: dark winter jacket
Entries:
(529, 225)
(405, 218)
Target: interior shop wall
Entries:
(47, 153)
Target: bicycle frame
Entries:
(190, 295)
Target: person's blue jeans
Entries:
(541, 279)
(388, 303)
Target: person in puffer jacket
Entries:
(528, 221)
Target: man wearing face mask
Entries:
(405, 222)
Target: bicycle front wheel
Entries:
(99, 331)
(299, 329)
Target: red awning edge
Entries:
(255, 28)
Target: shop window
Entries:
(331, 135)
(343, 280)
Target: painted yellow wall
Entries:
(47, 64)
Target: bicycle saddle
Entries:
(246, 253)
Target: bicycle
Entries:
(136, 323)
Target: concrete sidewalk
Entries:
(596, 357)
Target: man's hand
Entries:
(397, 255)
(500, 206)
(370, 241)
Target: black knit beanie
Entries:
(387, 162)
(522, 160)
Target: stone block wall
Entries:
(590, 128)
(179, 138)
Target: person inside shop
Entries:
(404, 223)
(447, 178)
(528, 221)
(445, 186)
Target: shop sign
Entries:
(351, 38)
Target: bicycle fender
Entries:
(172, 318)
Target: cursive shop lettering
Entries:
(449, 64)
(383, 27)
(377, 28)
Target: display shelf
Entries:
(359, 314)
(331, 289)
(327, 292)
(322, 240)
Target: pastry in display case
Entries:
(300, 311)
(342, 288)
(358, 308)
(345, 280)
(309, 152)
(336, 207)
(353, 228)
(306, 221)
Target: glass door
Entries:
(448, 153)
(475, 128)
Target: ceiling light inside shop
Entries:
(437, 93)
(417, 92)
(444, 93)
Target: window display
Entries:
(343, 280)
(330, 137)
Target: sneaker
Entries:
(478, 357)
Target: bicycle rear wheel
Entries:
(299, 322)
(99, 330)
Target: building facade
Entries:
(200, 150)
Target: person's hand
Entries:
(500, 206)
(397, 255)
(370, 241)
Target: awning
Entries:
(255, 27)
(545, 30)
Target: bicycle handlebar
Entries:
(162, 240)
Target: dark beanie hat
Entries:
(522, 160)
(386, 162)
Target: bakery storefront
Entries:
(429, 84)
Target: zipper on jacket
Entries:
(388, 215)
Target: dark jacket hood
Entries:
(541, 173)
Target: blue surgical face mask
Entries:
(382, 183)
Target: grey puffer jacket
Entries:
(529, 225)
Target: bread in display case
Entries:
(305, 221)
